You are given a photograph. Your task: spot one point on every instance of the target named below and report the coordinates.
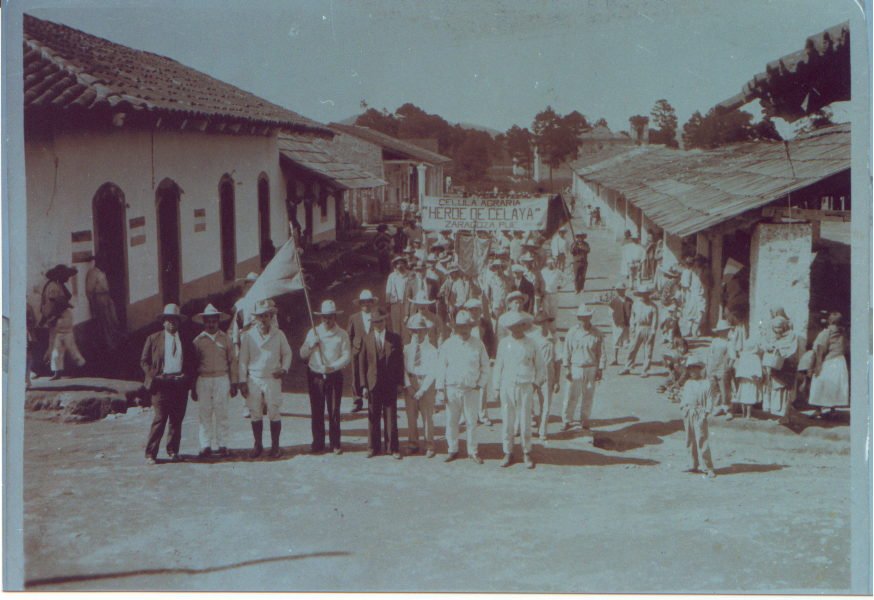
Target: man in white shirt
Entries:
(544, 337)
(560, 249)
(265, 358)
(633, 255)
(462, 369)
(329, 352)
(420, 357)
(553, 278)
(398, 293)
(585, 359)
(518, 370)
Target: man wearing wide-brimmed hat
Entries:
(521, 284)
(462, 369)
(580, 252)
(399, 293)
(694, 289)
(633, 255)
(216, 380)
(696, 403)
(329, 351)
(483, 330)
(169, 363)
(620, 307)
(642, 329)
(58, 317)
(265, 358)
(585, 359)
(437, 330)
(553, 279)
(497, 288)
(420, 357)
(518, 370)
(359, 326)
(532, 274)
(720, 359)
(382, 379)
(560, 248)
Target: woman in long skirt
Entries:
(748, 375)
(830, 386)
(781, 361)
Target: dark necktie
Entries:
(417, 359)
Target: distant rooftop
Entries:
(301, 151)
(401, 147)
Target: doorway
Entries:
(109, 214)
(266, 243)
(167, 198)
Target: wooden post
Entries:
(716, 278)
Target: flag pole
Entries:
(568, 213)
(306, 295)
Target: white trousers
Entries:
(213, 396)
(581, 389)
(264, 391)
(516, 403)
(460, 400)
(61, 344)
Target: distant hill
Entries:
(489, 130)
(349, 120)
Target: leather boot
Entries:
(275, 428)
(257, 430)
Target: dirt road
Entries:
(616, 516)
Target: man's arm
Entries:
(498, 369)
(309, 344)
(345, 353)
(285, 355)
(539, 366)
(483, 367)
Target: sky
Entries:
(493, 63)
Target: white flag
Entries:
(281, 275)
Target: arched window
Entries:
(228, 227)
(109, 213)
(167, 197)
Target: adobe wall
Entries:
(780, 259)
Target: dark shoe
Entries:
(223, 451)
(565, 426)
(316, 451)
(411, 450)
(175, 458)
(430, 454)
(475, 458)
(257, 431)
(397, 456)
(275, 430)
(508, 460)
(358, 406)
(452, 456)
(205, 454)
(56, 376)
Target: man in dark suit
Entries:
(168, 363)
(359, 326)
(382, 375)
(520, 284)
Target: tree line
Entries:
(556, 137)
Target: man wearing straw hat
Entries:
(58, 317)
(329, 351)
(382, 378)
(482, 329)
(216, 380)
(586, 360)
(643, 326)
(265, 358)
(522, 285)
(459, 289)
(420, 357)
(462, 369)
(168, 363)
(359, 326)
(398, 293)
(436, 327)
(518, 370)
(496, 290)
(580, 252)
(545, 338)
(620, 307)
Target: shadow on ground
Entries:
(637, 435)
(738, 468)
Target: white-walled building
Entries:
(173, 174)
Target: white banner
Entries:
(486, 214)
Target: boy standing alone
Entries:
(696, 404)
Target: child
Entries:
(719, 363)
(696, 404)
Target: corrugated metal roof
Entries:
(67, 69)
(685, 192)
(301, 151)
(390, 143)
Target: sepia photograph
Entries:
(485, 296)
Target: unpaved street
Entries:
(616, 516)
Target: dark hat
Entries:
(378, 315)
(60, 272)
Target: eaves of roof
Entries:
(323, 164)
(393, 144)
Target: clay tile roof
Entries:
(302, 152)
(802, 82)
(685, 192)
(395, 145)
(65, 68)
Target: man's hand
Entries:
(365, 393)
(244, 389)
(555, 388)
(279, 374)
(234, 389)
(440, 398)
(194, 391)
(599, 375)
(329, 369)
(400, 388)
